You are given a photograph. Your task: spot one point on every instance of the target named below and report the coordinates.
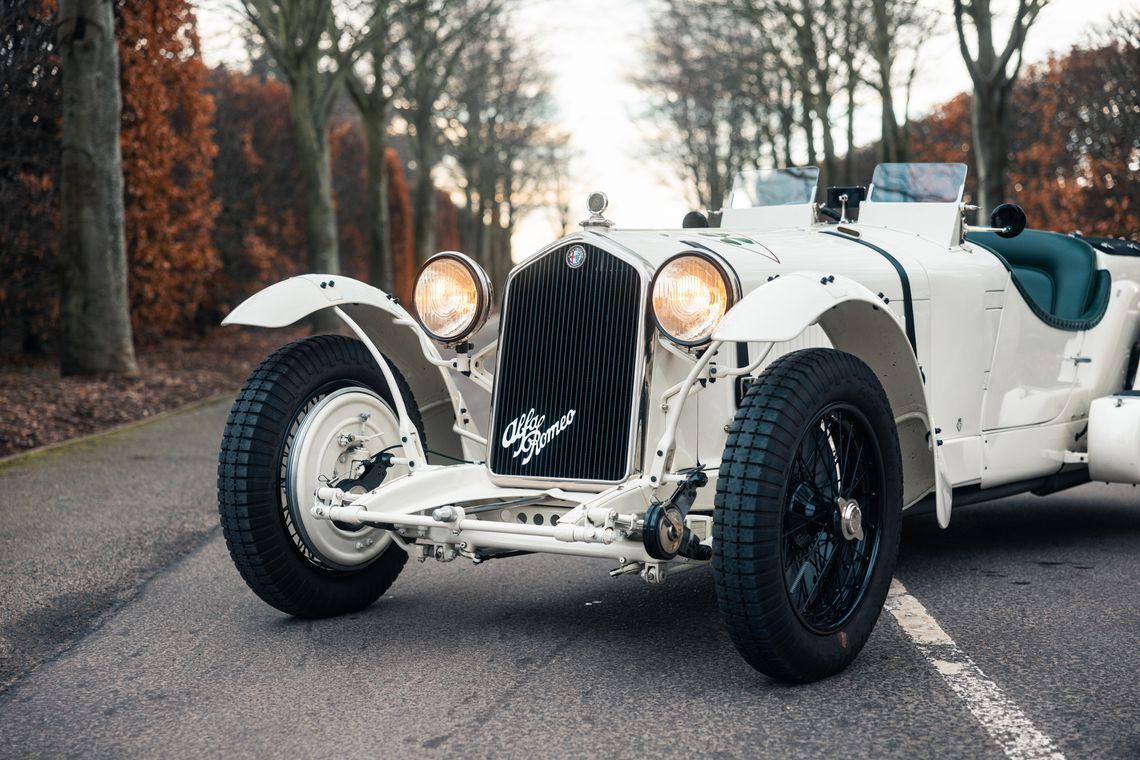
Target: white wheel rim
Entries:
(319, 456)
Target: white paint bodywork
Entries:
(989, 395)
(996, 376)
(378, 318)
(940, 223)
(768, 217)
(1114, 439)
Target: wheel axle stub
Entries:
(850, 519)
(664, 531)
(665, 535)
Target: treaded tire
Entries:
(777, 415)
(260, 427)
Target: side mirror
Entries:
(695, 219)
(1008, 220)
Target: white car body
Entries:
(989, 400)
(1007, 393)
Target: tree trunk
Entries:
(380, 265)
(992, 85)
(882, 47)
(503, 261)
(891, 151)
(316, 173)
(423, 202)
(480, 182)
(500, 248)
(851, 86)
(95, 321)
(423, 216)
(469, 227)
(808, 125)
(830, 162)
(849, 156)
(987, 118)
(487, 203)
(486, 245)
(890, 143)
(715, 200)
(504, 257)
(787, 122)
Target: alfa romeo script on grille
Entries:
(526, 435)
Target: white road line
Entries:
(1005, 722)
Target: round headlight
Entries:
(452, 297)
(691, 294)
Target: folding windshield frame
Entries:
(918, 183)
(791, 186)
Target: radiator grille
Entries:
(568, 367)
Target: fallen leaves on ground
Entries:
(38, 406)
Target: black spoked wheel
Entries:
(807, 515)
(831, 517)
(317, 412)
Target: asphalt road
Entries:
(126, 632)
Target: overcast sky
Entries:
(591, 48)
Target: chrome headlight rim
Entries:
(731, 287)
(484, 296)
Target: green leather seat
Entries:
(1055, 273)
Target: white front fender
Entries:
(287, 301)
(447, 427)
(858, 322)
(784, 307)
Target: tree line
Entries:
(774, 83)
(734, 83)
(327, 153)
(1073, 144)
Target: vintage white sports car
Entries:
(768, 395)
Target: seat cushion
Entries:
(1056, 271)
(1036, 285)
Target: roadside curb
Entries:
(50, 447)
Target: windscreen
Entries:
(774, 187)
(917, 183)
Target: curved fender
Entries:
(856, 321)
(394, 332)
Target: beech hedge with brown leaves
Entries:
(214, 208)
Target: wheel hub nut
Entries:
(850, 519)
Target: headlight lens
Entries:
(452, 297)
(691, 294)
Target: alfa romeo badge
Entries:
(575, 256)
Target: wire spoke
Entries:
(844, 475)
(825, 574)
(809, 522)
(809, 479)
(828, 455)
(861, 472)
(822, 576)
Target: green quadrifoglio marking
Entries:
(740, 241)
(724, 237)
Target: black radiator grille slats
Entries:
(569, 342)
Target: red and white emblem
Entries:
(575, 256)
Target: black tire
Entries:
(269, 553)
(776, 521)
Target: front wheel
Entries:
(808, 515)
(317, 412)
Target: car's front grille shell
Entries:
(569, 341)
